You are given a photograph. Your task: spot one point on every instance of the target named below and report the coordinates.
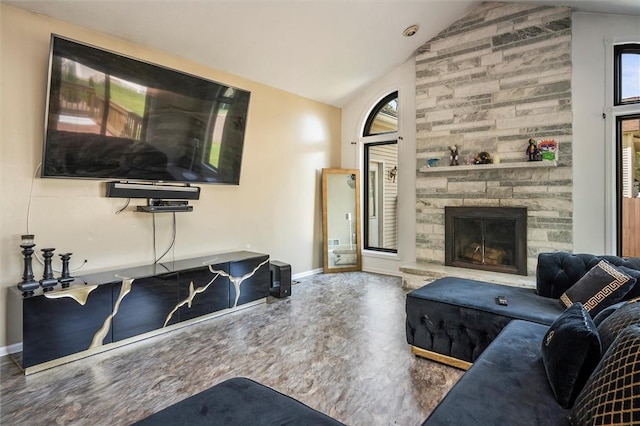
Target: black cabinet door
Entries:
(61, 326)
(146, 307)
(253, 287)
(203, 290)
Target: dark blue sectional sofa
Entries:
(459, 322)
(507, 385)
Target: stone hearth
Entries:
(416, 275)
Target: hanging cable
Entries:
(33, 180)
(35, 253)
(153, 220)
(173, 244)
(125, 206)
(173, 241)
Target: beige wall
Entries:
(275, 209)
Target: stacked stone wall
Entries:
(489, 82)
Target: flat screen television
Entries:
(109, 116)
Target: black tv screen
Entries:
(109, 116)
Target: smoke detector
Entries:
(410, 31)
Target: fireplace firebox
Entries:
(487, 238)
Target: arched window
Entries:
(384, 117)
(380, 176)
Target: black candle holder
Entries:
(48, 281)
(66, 278)
(28, 284)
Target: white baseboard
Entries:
(307, 274)
(383, 272)
(11, 349)
(372, 270)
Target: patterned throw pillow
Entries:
(634, 273)
(604, 314)
(602, 286)
(611, 326)
(611, 395)
(570, 352)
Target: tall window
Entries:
(627, 96)
(381, 170)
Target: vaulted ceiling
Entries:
(325, 50)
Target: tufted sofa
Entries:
(453, 320)
(507, 382)
(507, 385)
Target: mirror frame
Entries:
(325, 221)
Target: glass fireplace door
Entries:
(490, 238)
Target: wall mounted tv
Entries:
(109, 116)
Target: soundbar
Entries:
(155, 191)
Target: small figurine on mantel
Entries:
(453, 156)
(483, 158)
(532, 150)
(432, 162)
(548, 149)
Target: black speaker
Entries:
(159, 191)
(280, 279)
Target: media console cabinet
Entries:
(106, 310)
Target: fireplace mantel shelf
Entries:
(481, 167)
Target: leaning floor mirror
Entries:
(341, 220)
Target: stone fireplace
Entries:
(491, 81)
(486, 238)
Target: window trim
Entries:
(365, 192)
(611, 112)
(365, 139)
(619, 176)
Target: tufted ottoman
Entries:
(453, 320)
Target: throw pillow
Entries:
(611, 326)
(611, 394)
(602, 286)
(635, 273)
(604, 314)
(570, 352)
